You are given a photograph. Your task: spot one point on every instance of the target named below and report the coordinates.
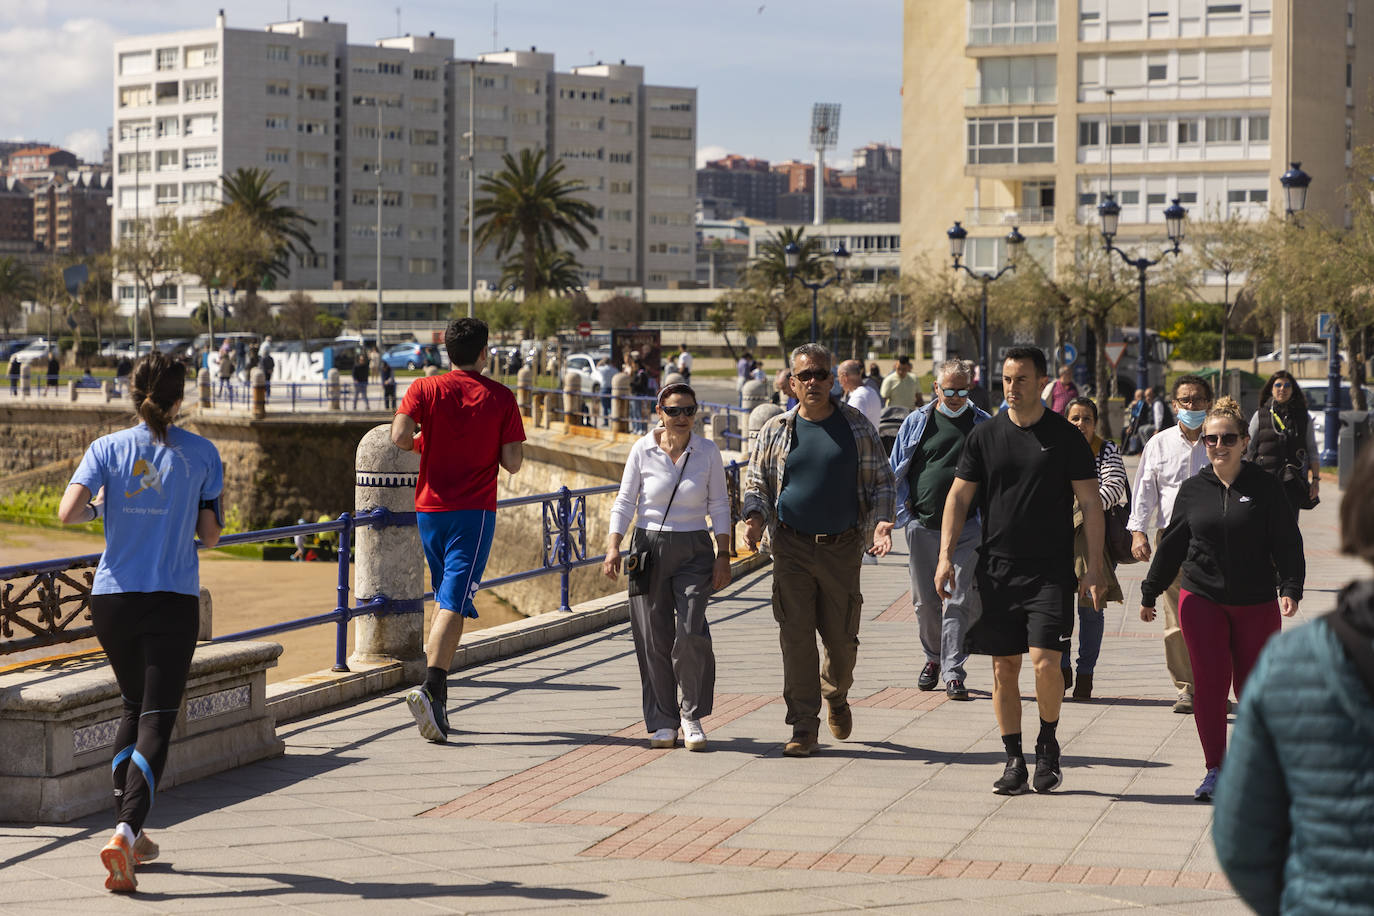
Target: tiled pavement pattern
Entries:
(549, 797)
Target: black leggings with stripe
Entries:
(149, 638)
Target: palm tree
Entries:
(556, 271)
(16, 285)
(775, 295)
(254, 194)
(529, 205)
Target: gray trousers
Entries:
(668, 621)
(942, 624)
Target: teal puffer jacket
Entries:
(1294, 810)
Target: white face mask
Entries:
(951, 413)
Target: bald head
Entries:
(851, 373)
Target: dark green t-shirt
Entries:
(932, 467)
(819, 493)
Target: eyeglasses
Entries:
(1194, 403)
(686, 410)
(811, 375)
(1281, 385)
(954, 392)
(1212, 440)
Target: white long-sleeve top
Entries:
(648, 482)
(1167, 461)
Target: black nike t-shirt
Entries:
(1025, 484)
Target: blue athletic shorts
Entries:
(456, 547)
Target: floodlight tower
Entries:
(825, 133)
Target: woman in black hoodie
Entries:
(1234, 535)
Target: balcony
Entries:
(1008, 216)
(1010, 95)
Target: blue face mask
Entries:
(1192, 418)
(951, 413)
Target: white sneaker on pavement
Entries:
(693, 736)
(664, 737)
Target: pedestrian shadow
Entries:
(891, 750)
(289, 883)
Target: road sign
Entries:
(584, 329)
(1068, 354)
(1114, 352)
(1324, 322)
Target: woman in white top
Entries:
(675, 482)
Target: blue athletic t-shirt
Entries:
(152, 500)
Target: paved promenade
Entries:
(549, 797)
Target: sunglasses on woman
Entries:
(686, 410)
(812, 375)
(1212, 440)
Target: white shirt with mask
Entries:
(1168, 460)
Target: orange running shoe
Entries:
(118, 860)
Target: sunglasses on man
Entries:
(811, 375)
(1212, 440)
(955, 392)
(687, 410)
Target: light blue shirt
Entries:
(152, 500)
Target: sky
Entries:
(757, 66)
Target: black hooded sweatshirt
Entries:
(1230, 541)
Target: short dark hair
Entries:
(1298, 398)
(1357, 509)
(1034, 354)
(465, 339)
(1197, 380)
(1082, 402)
(904, 360)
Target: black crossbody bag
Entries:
(637, 560)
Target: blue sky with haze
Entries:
(757, 66)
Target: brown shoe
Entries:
(801, 745)
(841, 721)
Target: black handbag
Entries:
(1117, 537)
(637, 561)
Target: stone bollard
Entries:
(672, 378)
(754, 393)
(331, 386)
(258, 379)
(388, 561)
(203, 383)
(71, 391)
(524, 390)
(572, 398)
(620, 408)
(432, 370)
(107, 389)
(537, 410)
(25, 378)
(717, 427)
(207, 616)
(759, 416)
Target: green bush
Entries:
(38, 507)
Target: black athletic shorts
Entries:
(1025, 603)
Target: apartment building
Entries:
(347, 127)
(1009, 107)
(71, 212)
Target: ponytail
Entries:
(159, 382)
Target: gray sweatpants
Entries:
(942, 624)
(668, 621)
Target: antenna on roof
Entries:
(398, 22)
(494, 8)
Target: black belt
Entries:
(815, 538)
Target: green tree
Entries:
(299, 316)
(222, 249)
(845, 314)
(775, 296)
(362, 314)
(16, 285)
(501, 315)
(1229, 246)
(529, 206)
(150, 254)
(251, 313)
(620, 312)
(254, 194)
(556, 271)
(551, 314)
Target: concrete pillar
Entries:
(25, 378)
(620, 408)
(524, 390)
(758, 417)
(572, 398)
(672, 378)
(331, 386)
(537, 410)
(207, 616)
(258, 380)
(717, 427)
(108, 390)
(388, 561)
(754, 393)
(71, 390)
(203, 383)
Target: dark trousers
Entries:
(149, 638)
(816, 591)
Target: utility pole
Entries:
(472, 176)
(378, 102)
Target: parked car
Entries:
(1314, 390)
(584, 365)
(9, 347)
(413, 355)
(36, 350)
(1303, 353)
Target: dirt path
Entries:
(247, 594)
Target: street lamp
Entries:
(1109, 211)
(958, 236)
(1295, 182)
(792, 255)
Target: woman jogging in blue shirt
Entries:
(157, 487)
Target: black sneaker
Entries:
(1014, 778)
(930, 676)
(1047, 774)
(431, 717)
(955, 689)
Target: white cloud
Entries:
(53, 78)
(707, 153)
(88, 143)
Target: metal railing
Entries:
(49, 603)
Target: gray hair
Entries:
(813, 350)
(851, 368)
(962, 366)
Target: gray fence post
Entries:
(572, 398)
(25, 378)
(332, 387)
(524, 390)
(71, 391)
(203, 383)
(389, 561)
(620, 408)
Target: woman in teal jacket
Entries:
(1294, 818)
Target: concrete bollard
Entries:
(672, 378)
(71, 391)
(335, 393)
(717, 427)
(572, 398)
(25, 379)
(620, 408)
(537, 410)
(754, 393)
(258, 379)
(759, 416)
(389, 561)
(207, 616)
(524, 390)
(432, 370)
(203, 383)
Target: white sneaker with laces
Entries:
(692, 734)
(664, 737)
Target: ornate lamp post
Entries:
(958, 237)
(792, 254)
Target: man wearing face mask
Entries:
(923, 461)
(1170, 457)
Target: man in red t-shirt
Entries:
(468, 426)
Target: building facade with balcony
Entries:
(71, 213)
(1009, 107)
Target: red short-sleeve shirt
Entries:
(464, 420)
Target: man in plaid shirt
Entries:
(818, 529)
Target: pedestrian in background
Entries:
(388, 376)
(1060, 392)
(360, 373)
(1232, 535)
(1283, 440)
(1294, 818)
(226, 370)
(14, 376)
(857, 394)
(158, 488)
(674, 482)
(54, 367)
(900, 389)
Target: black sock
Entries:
(1013, 745)
(1047, 737)
(436, 682)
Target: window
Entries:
(135, 62)
(364, 198)
(994, 140)
(314, 59)
(423, 233)
(669, 105)
(200, 90)
(131, 163)
(202, 158)
(424, 138)
(1003, 80)
(1157, 133)
(424, 169)
(526, 116)
(1089, 133)
(279, 87)
(622, 187)
(315, 192)
(424, 201)
(167, 58)
(620, 216)
(1259, 128)
(198, 191)
(490, 112)
(625, 98)
(280, 53)
(670, 190)
(1224, 66)
(620, 158)
(314, 160)
(1126, 134)
(1259, 65)
(1156, 197)
(424, 106)
(1128, 198)
(428, 74)
(314, 93)
(619, 244)
(664, 132)
(491, 82)
(277, 122)
(167, 160)
(582, 123)
(166, 194)
(423, 265)
(314, 127)
(1187, 133)
(130, 129)
(658, 161)
(1157, 72)
(490, 144)
(527, 86)
(279, 156)
(1223, 129)
(670, 219)
(388, 68)
(392, 198)
(135, 96)
(1189, 66)
(200, 56)
(1004, 22)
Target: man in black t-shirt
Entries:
(1025, 467)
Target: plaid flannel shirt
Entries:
(768, 463)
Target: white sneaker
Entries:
(664, 737)
(692, 734)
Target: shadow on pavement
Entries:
(366, 890)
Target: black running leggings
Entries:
(149, 638)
